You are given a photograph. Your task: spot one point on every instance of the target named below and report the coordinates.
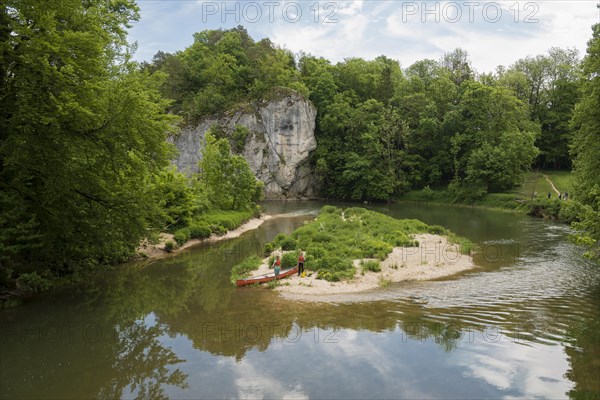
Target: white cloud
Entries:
(536, 371)
(371, 28)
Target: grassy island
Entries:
(340, 243)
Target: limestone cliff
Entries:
(281, 136)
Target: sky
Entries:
(492, 32)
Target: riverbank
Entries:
(434, 258)
(158, 250)
(540, 195)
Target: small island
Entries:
(353, 250)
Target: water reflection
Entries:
(523, 325)
(142, 365)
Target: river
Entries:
(525, 324)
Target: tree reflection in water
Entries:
(142, 365)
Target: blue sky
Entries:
(493, 32)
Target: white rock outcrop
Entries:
(282, 135)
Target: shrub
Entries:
(182, 236)
(545, 208)
(289, 260)
(330, 210)
(399, 239)
(278, 239)
(169, 246)
(383, 282)
(322, 237)
(465, 245)
(282, 241)
(221, 221)
(437, 230)
(570, 211)
(200, 231)
(427, 193)
(218, 230)
(336, 276)
(243, 269)
(32, 282)
(288, 244)
(371, 265)
(268, 249)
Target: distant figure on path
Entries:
(549, 195)
(301, 263)
(566, 195)
(277, 266)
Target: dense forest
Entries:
(85, 169)
(383, 130)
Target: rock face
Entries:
(281, 136)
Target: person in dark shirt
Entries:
(301, 263)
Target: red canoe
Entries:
(267, 277)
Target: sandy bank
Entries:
(434, 258)
(153, 251)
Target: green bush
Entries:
(169, 246)
(268, 249)
(545, 208)
(465, 245)
(182, 236)
(230, 219)
(322, 237)
(238, 138)
(570, 211)
(278, 239)
(32, 282)
(371, 265)
(399, 239)
(336, 276)
(199, 231)
(288, 244)
(330, 210)
(289, 260)
(218, 230)
(284, 242)
(428, 193)
(437, 230)
(243, 269)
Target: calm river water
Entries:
(526, 324)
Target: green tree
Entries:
(549, 85)
(317, 75)
(586, 149)
(495, 144)
(223, 68)
(458, 65)
(177, 197)
(227, 178)
(82, 134)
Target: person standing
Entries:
(301, 263)
(277, 267)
